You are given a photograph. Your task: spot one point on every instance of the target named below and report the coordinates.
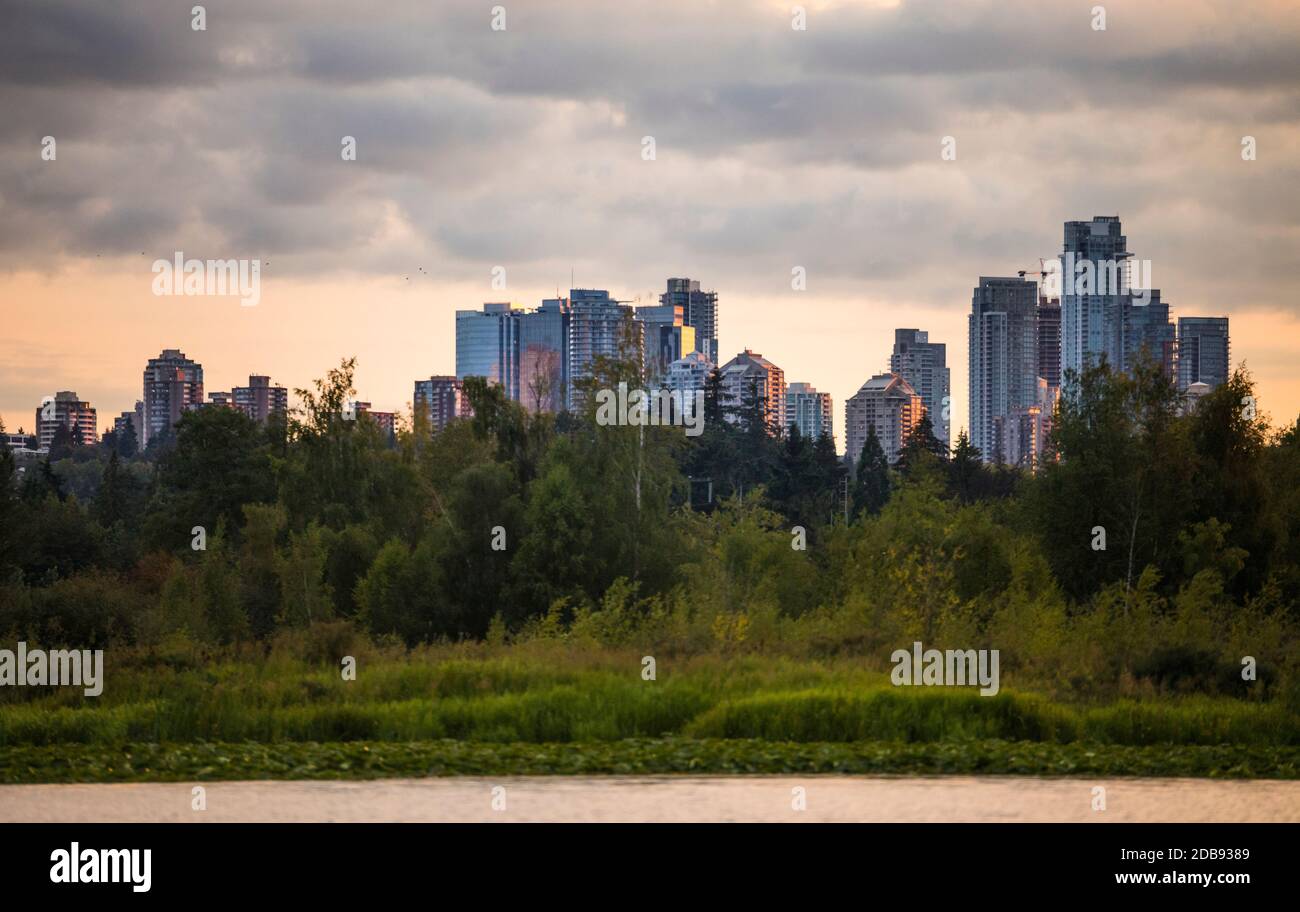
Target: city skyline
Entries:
(514, 334)
(502, 340)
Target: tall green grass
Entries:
(558, 697)
(939, 714)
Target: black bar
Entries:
(617, 863)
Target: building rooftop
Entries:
(885, 383)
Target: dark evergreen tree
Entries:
(62, 443)
(921, 443)
(871, 479)
(965, 470)
(758, 447)
(41, 482)
(713, 398)
(8, 507)
(125, 441)
(111, 502)
(709, 460)
(830, 474)
(932, 443)
(795, 485)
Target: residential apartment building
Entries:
(665, 338)
(888, 403)
(540, 356)
(173, 384)
(487, 345)
(923, 364)
(1203, 351)
(439, 400)
(66, 409)
(1003, 356)
(132, 419)
(543, 373)
(809, 411)
(689, 374)
(1148, 332)
(260, 399)
(386, 421)
(599, 326)
(747, 377)
(1021, 436)
(1104, 315)
(1094, 265)
(699, 310)
(1049, 340)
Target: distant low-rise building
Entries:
(20, 441)
(1193, 395)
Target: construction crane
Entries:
(1043, 273)
(1042, 270)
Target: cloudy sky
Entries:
(522, 148)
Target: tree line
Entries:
(511, 517)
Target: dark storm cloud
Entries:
(67, 42)
(1250, 63)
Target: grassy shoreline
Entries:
(602, 698)
(151, 762)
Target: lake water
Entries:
(667, 799)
